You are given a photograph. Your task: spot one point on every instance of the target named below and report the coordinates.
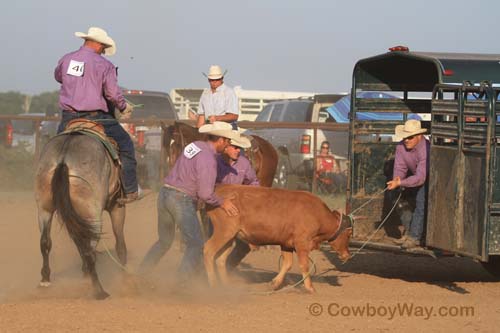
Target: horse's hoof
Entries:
(44, 284)
(102, 295)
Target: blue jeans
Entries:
(114, 130)
(175, 207)
(418, 217)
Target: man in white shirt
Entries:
(219, 103)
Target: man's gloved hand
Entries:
(125, 114)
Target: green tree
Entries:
(45, 102)
(11, 102)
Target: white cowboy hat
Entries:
(215, 73)
(242, 141)
(100, 36)
(410, 128)
(219, 128)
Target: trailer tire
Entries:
(493, 266)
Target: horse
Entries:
(77, 178)
(261, 154)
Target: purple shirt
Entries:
(241, 172)
(414, 162)
(87, 89)
(196, 175)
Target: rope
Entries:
(313, 268)
(378, 228)
(368, 201)
(113, 258)
(373, 234)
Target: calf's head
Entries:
(340, 241)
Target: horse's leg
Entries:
(45, 223)
(90, 258)
(117, 213)
(87, 251)
(287, 264)
(85, 267)
(240, 250)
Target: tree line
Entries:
(13, 102)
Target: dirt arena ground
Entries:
(375, 292)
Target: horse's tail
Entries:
(78, 228)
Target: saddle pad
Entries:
(95, 130)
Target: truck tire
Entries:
(282, 172)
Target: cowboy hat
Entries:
(241, 141)
(219, 128)
(100, 36)
(215, 73)
(410, 128)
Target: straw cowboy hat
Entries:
(242, 141)
(219, 128)
(410, 128)
(100, 36)
(215, 73)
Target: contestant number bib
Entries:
(76, 68)
(191, 150)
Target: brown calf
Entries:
(295, 220)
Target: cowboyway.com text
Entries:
(390, 311)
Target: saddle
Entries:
(95, 130)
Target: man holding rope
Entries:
(89, 89)
(411, 169)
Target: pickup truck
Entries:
(147, 139)
(295, 145)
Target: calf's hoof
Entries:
(310, 290)
(276, 284)
(212, 282)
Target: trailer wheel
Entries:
(493, 266)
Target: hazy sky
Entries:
(291, 45)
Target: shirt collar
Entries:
(220, 88)
(87, 49)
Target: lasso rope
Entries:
(313, 268)
(373, 234)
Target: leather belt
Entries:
(176, 188)
(85, 113)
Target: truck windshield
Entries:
(151, 107)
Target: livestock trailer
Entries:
(455, 96)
